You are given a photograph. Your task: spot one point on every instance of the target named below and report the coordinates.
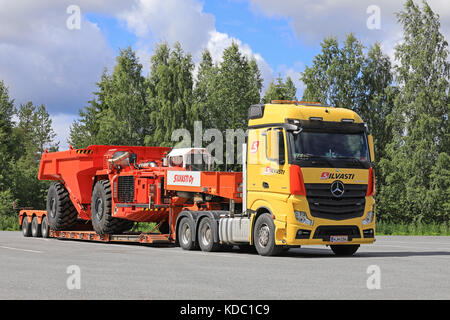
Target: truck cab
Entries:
(309, 169)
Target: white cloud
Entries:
(312, 20)
(43, 61)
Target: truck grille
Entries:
(322, 203)
(325, 232)
(125, 189)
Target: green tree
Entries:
(203, 106)
(357, 78)
(6, 149)
(170, 93)
(34, 134)
(239, 85)
(416, 165)
(279, 90)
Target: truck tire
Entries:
(26, 227)
(62, 214)
(35, 228)
(344, 249)
(185, 234)
(101, 217)
(264, 236)
(45, 230)
(206, 235)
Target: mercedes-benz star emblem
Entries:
(337, 189)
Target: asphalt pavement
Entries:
(395, 267)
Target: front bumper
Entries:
(295, 234)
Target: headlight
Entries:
(369, 218)
(303, 218)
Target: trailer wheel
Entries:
(35, 228)
(185, 234)
(345, 249)
(264, 236)
(101, 217)
(26, 227)
(206, 236)
(45, 230)
(62, 214)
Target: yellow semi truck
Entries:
(308, 179)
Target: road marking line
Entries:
(26, 250)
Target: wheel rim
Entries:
(263, 235)
(99, 208)
(44, 226)
(185, 234)
(206, 234)
(53, 207)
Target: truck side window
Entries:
(275, 149)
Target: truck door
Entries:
(267, 161)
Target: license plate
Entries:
(337, 239)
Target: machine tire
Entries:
(206, 236)
(344, 250)
(45, 230)
(62, 214)
(26, 227)
(35, 228)
(101, 203)
(264, 236)
(184, 235)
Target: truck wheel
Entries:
(345, 249)
(62, 214)
(206, 236)
(185, 233)
(264, 236)
(35, 228)
(45, 230)
(26, 227)
(102, 221)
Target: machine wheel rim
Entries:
(99, 208)
(53, 207)
(263, 235)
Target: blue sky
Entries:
(44, 61)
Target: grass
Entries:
(412, 229)
(9, 223)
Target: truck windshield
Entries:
(342, 146)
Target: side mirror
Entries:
(371, 147)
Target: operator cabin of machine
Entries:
(193, 159)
